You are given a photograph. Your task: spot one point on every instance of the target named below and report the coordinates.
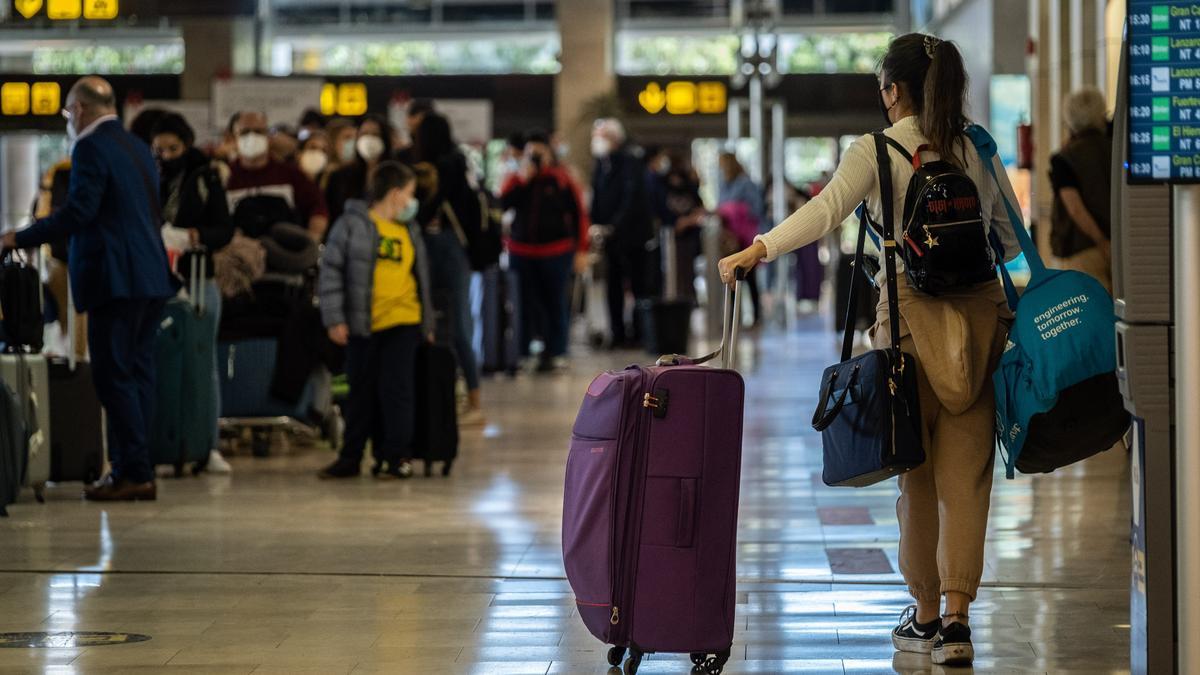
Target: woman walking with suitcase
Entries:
(944, 503)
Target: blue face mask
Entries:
(409, 211)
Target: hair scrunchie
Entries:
(931, 45)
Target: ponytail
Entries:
(943, 119)
(935, 80)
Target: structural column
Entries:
(586, 29)
(215, 47)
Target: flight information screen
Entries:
(1164, 91)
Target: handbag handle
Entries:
(826, 415)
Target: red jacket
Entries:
(551, 219)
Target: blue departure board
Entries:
(1164, 91)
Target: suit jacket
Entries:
(116, 251)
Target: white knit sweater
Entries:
(857, 177)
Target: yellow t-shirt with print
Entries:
(395, 300)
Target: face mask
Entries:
(170, 167)
(601, 147)
(313, 162)
(409, 211)
(72, 135)
(252, 146)
(884, 109)
(346, 152)
(370, 148)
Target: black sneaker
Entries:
(953, 646)
(400, 471)
(913, 637)
(340, 469)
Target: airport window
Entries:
(676, 55)
(536, 54)
(807, 159)
(146, 59)
(831, 52)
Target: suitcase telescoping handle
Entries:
(730, 325)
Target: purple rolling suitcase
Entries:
(650, 506)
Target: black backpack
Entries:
(942, 237)
(255, 214)
(476, 222)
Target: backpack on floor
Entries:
(943, 240)
(1057, 397)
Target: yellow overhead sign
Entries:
(348, 99)
(69, 10)
(27, 8)
(64, 10)
(18, 99)
(329, 100)
(100, 10)
(14, 98)
(352, 99)
(45, 98)
(685, 98)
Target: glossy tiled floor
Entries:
(272, 571)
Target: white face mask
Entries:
(313, 162)
(370, 148)
(252, 146)
(346, 152)
(601, 147)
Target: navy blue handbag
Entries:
(869, 414)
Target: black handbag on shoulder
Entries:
(869, 413)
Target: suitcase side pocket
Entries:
(587, 532)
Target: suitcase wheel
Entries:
(260, 443)
(714, 665)
(39, 493)
(633, 662)
(698, 659)
(615, 656)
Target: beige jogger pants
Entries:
(943, 507)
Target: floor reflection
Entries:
(270, 570)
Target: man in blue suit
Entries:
(119, 275)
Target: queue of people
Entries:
(266, 198)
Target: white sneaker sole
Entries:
(954, 655)
(912, 645)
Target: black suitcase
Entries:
(435, 434)
(501, 309)
(76, 424)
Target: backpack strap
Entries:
(889, 236)
(985, 145)
(916, 156)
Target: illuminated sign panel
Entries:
(64, 10)
(685, 98)
(352, 99)
(100, 10)
(45, 98)
(1164, 91)
(14, 98)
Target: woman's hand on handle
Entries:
(745, 259)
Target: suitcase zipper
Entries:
(630, 550)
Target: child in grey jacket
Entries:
(375, 301)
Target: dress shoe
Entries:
(110, 490)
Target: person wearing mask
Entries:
(453, 201)
(549, 239)
(943, 505)
(314, 156)
(375, 301)
(194, 205)
(740, 203)
(119, 275)
(284, 143)
(372, 145)
(263, 191)
(343, 134)
(619, 201)
(678, 205)
(1079, 172)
